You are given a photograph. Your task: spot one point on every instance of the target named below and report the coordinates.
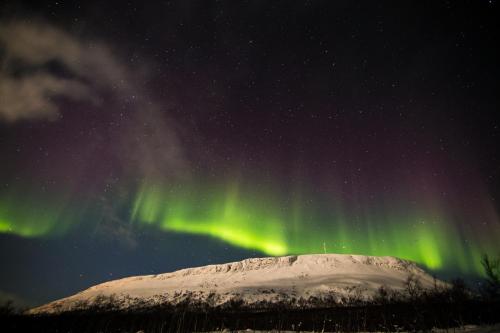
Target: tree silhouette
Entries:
(492, 271)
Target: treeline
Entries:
(412, 309)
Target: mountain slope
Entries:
(305, 280)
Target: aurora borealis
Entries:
(187, 133)
(257, 222)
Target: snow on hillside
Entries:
(289, 280)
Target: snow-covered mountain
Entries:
(304, 280)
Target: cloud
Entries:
(30, 89)
(114, 228)
(42, 65)
(86, 70)
(32, 97)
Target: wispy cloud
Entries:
(29, 89)
(43, 65)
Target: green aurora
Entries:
(275, 227)
(260, 224)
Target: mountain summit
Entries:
(304, 280)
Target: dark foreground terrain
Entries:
(396, 316)
(413, 309)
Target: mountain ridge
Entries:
(297, 280)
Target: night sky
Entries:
(139, 139)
